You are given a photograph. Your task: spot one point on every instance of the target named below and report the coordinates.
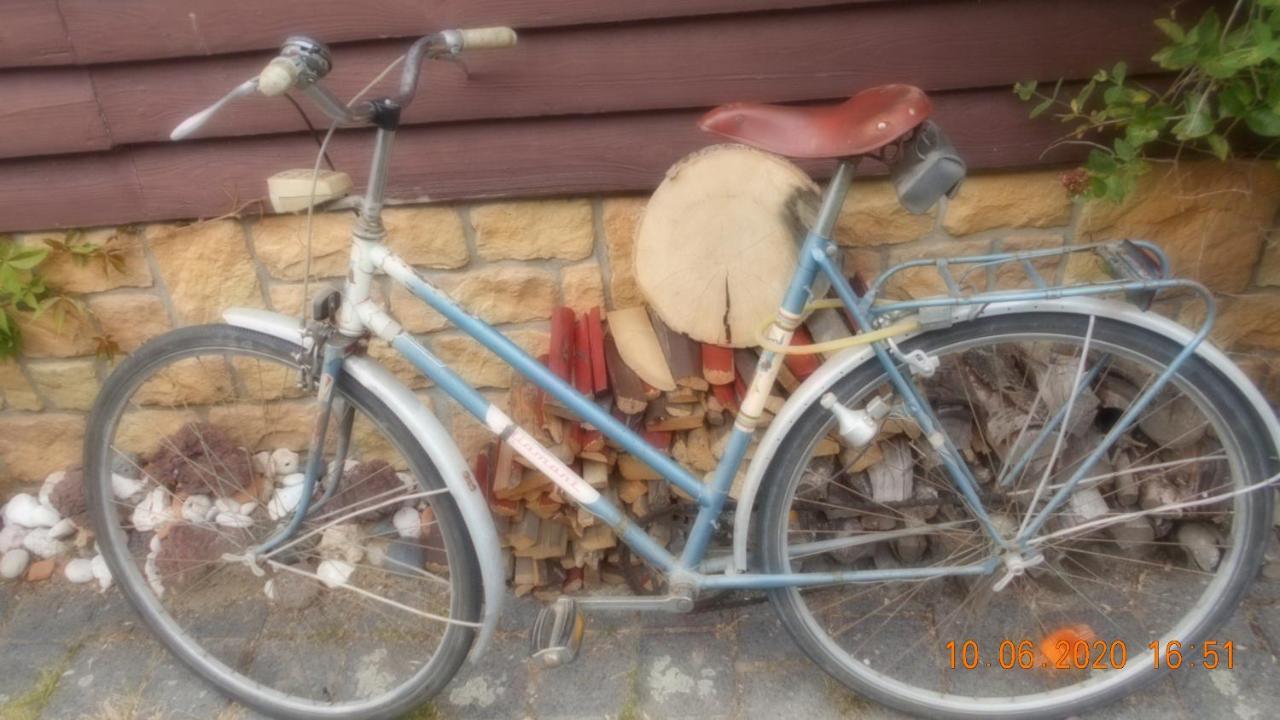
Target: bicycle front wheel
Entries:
(1126, 561)
(194, 457)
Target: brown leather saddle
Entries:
(860, 125)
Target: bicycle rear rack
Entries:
(1135, 268)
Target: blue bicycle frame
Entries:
(359, 314)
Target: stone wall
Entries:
(513, 262)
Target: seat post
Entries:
(834, 197)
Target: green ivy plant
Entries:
(1223, 102)
(24, 291)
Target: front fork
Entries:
(335, 350)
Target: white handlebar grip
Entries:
(490, 38)
(277, 77)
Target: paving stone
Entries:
(495, 687)
(103, 679)
(51, 613)
(23, 665)
(686, 674)
(602, 682)
(800, 689)
(173, 691)
(761, 637)
(518, 614)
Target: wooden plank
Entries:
(47, 111)
(145, 29)
(31, 33)
(827, 53)
(623, 153)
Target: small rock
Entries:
(13, 563)
(79, 571)
(63, 530)
(341, 542)
(196, 508)
(26, 511)
(235, 520)
(293, 591)
(42, 545)
(101, 572)
(334, 573)
(50, 482)
(226, 504)
(284, 501)
(11, 537)
(248, 508)
(125, 487)
(152, 512)
(126, 465)
(408, 523)
(40, 570)
(283, 462)
(292, 479)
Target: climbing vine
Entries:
(1223, 101)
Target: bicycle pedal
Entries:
(556, 635)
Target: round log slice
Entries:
(718, 241)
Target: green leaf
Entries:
(27, 258)
(1197, 122)
(1219, 145)
(1025, 90)
(1171, 29)
(1039, 109)
(1119, 72)
(1264, 121)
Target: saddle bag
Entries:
(927, 168)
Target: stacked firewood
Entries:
(677, 393)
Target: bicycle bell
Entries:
(311, 56)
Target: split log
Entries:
(583, 379)
(595, 343)
(525, 531)
(630, 393)
(598, 537)
(683, 354)
(891, 478)
(802, 366)
(1200, 541)
(717, 364)
(718, 241)
(671, 417)
(552, 542)
(560, 360)
(639, 348)
(631, 468)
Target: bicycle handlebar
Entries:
(303, 62)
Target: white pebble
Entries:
(125, 488)
(26, 511)
(101, 572)
(13, 563)
(235, 520)
(284, 501)
(152, 512)
(408, 523)
(292, 479)
(50, 482)
(269, 589)
(283, 462)
(63, 530)
(226, 504)
(153, 575)
(196, 508)
(41, 545)
(334, 572)
(11, 537)
(341, 542)
(248, 508)
(79, 571)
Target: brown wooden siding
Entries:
(599, 97)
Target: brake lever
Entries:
(197, 121)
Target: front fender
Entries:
(840, 365)
(437, 443)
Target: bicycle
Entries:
(1054, 468)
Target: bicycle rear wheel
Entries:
(1073, 632)
(365, 611)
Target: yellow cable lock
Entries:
(900, 328)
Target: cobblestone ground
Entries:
(71, 653)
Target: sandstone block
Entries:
(201, 380)
(387, 356)
(130, 319)
(33, 446)
(1011, 276)
(582, 286)
(872, 215)
(480, 367)
(1211, 218)
(44, 337)
(142, 430)
(534, 229)
(280, 242)
(1008, 200)
(621, 218)
(66, 273)
(925, 281)
(471, 436)
(1268, 274)
(266, 426)
(206, 268)
(16, 390)
(1244, 322)
(426, 236)
(67, 384)
(495, 295)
